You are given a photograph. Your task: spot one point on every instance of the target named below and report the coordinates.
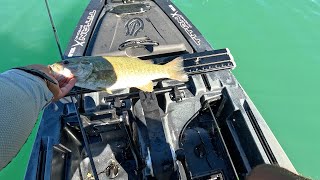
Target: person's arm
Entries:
(22, 97)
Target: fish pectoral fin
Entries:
(108, 91)
(147, 87)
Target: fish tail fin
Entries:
(175, 70)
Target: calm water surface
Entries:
(275, 43)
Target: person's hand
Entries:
(63, 86)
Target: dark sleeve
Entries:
(22, 97)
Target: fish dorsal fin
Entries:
(147, 87)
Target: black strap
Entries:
(36, 72)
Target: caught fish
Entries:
(114, 73)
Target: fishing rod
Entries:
(84, 136)
(54, 29)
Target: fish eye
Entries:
(65, 62)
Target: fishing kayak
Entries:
(206, 128)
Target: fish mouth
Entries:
(59, 69)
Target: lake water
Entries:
(276, 46)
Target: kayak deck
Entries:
(205, 128)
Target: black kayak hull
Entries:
(205, 128)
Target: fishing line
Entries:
(54, 29)
(86, 143)
(84, 136)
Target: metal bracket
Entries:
(177, 95)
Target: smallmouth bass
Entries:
(114, 73)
